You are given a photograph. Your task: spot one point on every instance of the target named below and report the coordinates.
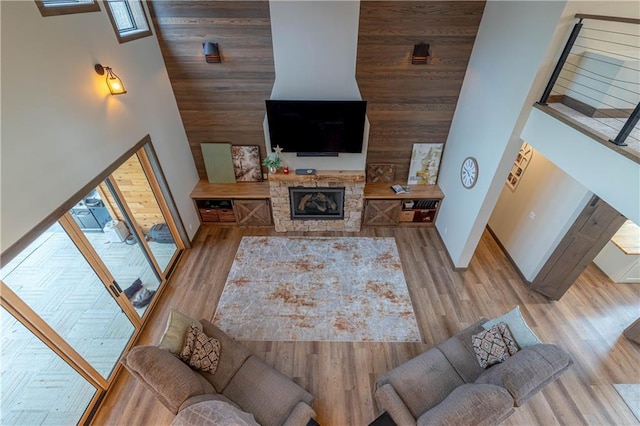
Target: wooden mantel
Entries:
(353, 176)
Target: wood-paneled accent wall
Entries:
(218, 102)
(408, 103)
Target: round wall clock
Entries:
(469, 172)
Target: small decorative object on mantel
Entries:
(519, 166)
(381, 173)
(246, 163)
(425, 162)
(272, 161)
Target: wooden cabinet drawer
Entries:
(226, 215)
(406, 216)
(209, 215)
(217, 215)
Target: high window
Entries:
(65, 7)
(128, 19)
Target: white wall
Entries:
(61, 128)
(315, 50)
(611, 176)
(555, 200)
(495, 99)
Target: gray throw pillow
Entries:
(522, 333)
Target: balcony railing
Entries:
(597, 79)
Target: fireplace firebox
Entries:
(316, 203)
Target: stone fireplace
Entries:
(312, 198)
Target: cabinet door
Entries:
(382, 212)
(252, 212)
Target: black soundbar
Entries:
(317, 154)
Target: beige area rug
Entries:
(317, 289)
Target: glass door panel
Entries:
(52, 276)
(138, 194)
(119, 247)
(38, 387)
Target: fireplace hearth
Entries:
(316, 203)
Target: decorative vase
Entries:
(272, 169)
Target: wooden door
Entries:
(593, 228)
(382, 212)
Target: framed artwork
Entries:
(519, 166)
(246, 163)
(425, 162)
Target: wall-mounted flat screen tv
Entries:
(316, 126)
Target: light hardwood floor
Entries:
(588, 322)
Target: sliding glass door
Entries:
(55, 280)
(78, 290)
(38, 387)
(135, 189)
(120, 246)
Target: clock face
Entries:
(469, 172)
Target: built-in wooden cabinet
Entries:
(249, 204)
(384, 207)
(243, 204)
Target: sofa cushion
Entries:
(268, 394)
(522, 333)
(526, 372)
(232, 356)
(470, 404)
(171, 380)
(512, 346)
(177, 326)
(422, 382)
(490, 346)
(213, 413)
(200, 351)
(459, 352)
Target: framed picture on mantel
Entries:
(425, 162)
(246, 163)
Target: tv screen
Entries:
(317, 126)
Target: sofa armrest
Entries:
(300, 415)
(528, 371)
(266, 393)
(389, 401)
(171, 380)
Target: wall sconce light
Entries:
(211, 52)
(420, 54)
(113, 81)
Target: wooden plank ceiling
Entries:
(407, 103)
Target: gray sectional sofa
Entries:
(446, 386)
(241, 379)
